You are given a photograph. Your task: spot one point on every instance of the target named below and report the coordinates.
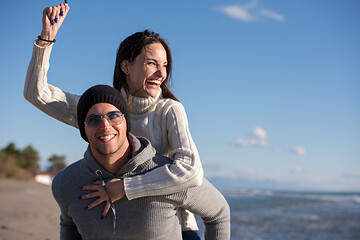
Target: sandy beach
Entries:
(27, 211)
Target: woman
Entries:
(142, 71)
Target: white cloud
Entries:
(299, 150)
(297, 170)
(250, 12)
(238, 12)
(259, 133)
(272, 14)
(257, 138)
(249, 142)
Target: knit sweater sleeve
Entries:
(207, 202)
(183, 172)
(49, 99)
(68, 229)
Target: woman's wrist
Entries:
(41, 43)
(45, 39)
(44, 42)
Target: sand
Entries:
(28, 211)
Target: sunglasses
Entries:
(114, 118)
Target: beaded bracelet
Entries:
(50, 41)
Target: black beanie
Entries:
(100, 94)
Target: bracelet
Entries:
(50, 41)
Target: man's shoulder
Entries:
(146, 155)
(67, 173)
(151, 152)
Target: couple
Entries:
(142, 71)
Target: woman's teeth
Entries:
(154, 82)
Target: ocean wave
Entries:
(356, 199)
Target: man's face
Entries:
(106, 139)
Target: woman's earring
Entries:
(126, 73)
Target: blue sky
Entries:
(271, 88)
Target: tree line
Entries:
(21, 163)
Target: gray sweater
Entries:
(153, 217)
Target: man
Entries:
(114, 153)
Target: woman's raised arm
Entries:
(49, 99)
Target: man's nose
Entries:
(104, 123)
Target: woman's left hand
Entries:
(115, 188)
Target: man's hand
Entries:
(52, 19)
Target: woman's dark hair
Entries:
(130, 48)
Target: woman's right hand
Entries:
(52, 19)
(115, 188)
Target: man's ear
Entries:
(125, 66)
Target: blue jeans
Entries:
(190, 235)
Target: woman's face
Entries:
(147, 71)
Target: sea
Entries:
(286, 215)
